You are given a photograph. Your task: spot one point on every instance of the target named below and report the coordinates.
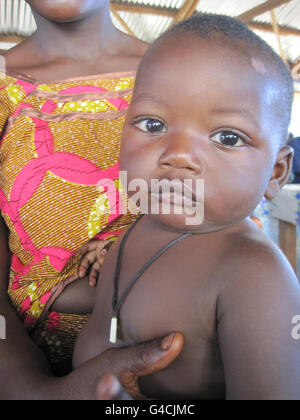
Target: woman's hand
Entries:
(110, 388)
(127, 364)
(144, 359)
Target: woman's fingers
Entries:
(109, 388)
(146, 358)
(143, 359)
(149, 358)
(153, 356)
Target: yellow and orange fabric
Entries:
(58, 141)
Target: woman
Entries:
(62, 105)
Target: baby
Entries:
(211, 102)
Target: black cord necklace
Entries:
(117, 303)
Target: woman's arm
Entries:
(21, 362)
(25, 373)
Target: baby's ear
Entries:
(281, 172)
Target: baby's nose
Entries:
(181, 155)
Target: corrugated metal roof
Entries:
(16, 19)
(148, 27)
(287, 15)
(227, 7)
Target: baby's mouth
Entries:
(173, 192)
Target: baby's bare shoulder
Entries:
(254, 265)
(255, 308)
(256, 253)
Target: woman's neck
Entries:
(60, 51)
(76, 40)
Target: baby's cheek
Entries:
(138, 165)
(232, 196)
(125, 161)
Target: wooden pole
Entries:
(120, 20)
(183, 12)
(192, 9)
(276, 31)
(259, 10)
(264, 27)
(288, 242)
(143, 9)
(296, 72)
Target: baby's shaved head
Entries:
(229, 32)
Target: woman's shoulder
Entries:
(9, 67)
(6, 97)
(120, 62)
(5, 79)
(12, 92)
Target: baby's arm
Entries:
(255, 312)
(78, 297)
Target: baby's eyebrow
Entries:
(146, 97)
(235, 110)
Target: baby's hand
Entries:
(93, 255)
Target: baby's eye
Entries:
(151, 125)
(228, 139)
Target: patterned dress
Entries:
(58, 142)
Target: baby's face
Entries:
(200, 111)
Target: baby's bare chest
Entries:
(171, 293)
(170, 296)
